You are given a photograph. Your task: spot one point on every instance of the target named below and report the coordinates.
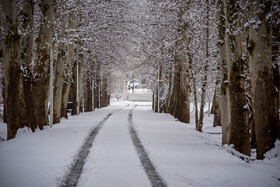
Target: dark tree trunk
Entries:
(59, 68)
(65, 95)
(26, 57)
(195, 104)
(87, 96)
(216, 107)
(73, 91)
(205, 71)
(68, 66)
(14, 105)
(264, 94)
(166, 110)
(41, 68)
(176, 90)
(180, 97)
(239, 135)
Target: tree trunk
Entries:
(166, 110)
(97, 85)
(64, 98)
(14, 106)
(92, 90)
(176, 89)
(264, 94)
(276, 55)
(156, 99)
(87, 95)
(41, 67)
(80, 78)
(103, 90)
(204, 83)
(26, 58)
(225, 105)
(77, 76)
(59, 74)
(74, 88)
(212, 111)
(202, 102)
(185, 89)
(216, 109)
(239, 135)
(68, 66)
(195, 104)
(160, 89)
(180, 97)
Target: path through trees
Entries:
(183, 51)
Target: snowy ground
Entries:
(181, 155)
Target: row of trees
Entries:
(38, 37)
(226, 49)
(185, 51)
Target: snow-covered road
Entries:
(113, 161)
(180, 155)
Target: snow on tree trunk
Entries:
(167, 105)
(185, 88)
(26, 57)
(41, 65)
(14, 106)
(180, 98)
(225, 106)
(264, 92)
(76, 75)
(176, 90)
(70, 58)
(239, 132)
(59, 73)
(205, 72)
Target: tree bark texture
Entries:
(156, 109)
(170, 77)
(59, 79)
(97, 80)
(41, 67)
(176, 89)
(160, 90)
(195, 104)
(74, 89)
(264, 92)
(87, 95)
(59, 68)
(14, 101)
(180, 97)
(216, 109)
(239, 135)
(26, 58)
(185, 89)
(225, 102)
(204, 83)
(68, 71)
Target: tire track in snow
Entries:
(72, 178)
(153, 175)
